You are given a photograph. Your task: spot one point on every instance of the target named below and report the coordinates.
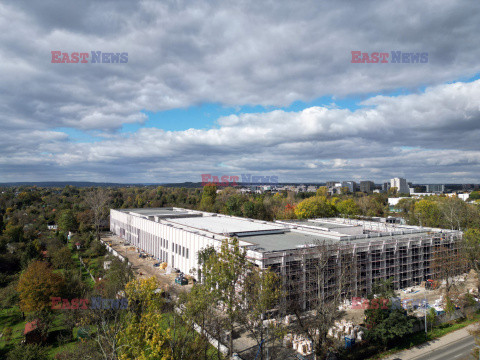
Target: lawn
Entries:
(12, 318)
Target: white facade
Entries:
(401, 185)
(176, 236)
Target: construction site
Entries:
(316, 259)
(407, 256)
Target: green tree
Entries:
(322, 191)
(348, 207)
(225, 273)
(316, 206)
(208, 197)
(392, 191)
(392, 326)
(261, 293)
(2, 224)
(428, 213)
(142, 338)
(474, 195)
(29, 352)
(67, 221)
(406, 205)
(61, 258)
(118, 275)
(431, 318)
(234, 205)
(14, 233)
(248, 209)
(471, 250)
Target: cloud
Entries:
(412, 135)
(246, 53)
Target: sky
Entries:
(265, 88)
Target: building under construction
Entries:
(316, 259)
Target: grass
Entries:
(11, 317)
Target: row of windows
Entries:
(180, 250)
(164, 243)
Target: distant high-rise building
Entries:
(436, 188)
(366, 186)
(401, 185)
(331, 184)
(351, 185)
(385, 187)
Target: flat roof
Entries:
(319, 223)
(229, 225)
(162, 212)
(286, 241)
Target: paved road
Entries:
(459, 350)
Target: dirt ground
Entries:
(143, 267)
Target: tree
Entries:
(474, 195)
(322, 191)
(234, 205)
(445, 264)
(2, 224)
(97, 202)
(329, 273)
(29, 352)
(208, 197)
(316, 206)
(198, 308)
(261, 293)
(348, 207)
(203, 257)
(61, 258)
(37, 285)
(384, 288)
(67, 221)
(225, 273)
(475, 332)
(395, 325)
(428, 212)
(117, 277)
(14, 233)
(143, 338)
(392, 191)
(431, 317)
(454, 212)
(471, 250)
(406, 205)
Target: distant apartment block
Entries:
(371, 250)
(351, 185)
(436, 188)
(385, 187)
(401, 185)
(331, 184)
(367, 186)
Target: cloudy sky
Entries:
(229, 88)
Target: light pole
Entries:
(425, 308)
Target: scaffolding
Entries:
(315, 273)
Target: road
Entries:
(459, 350)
